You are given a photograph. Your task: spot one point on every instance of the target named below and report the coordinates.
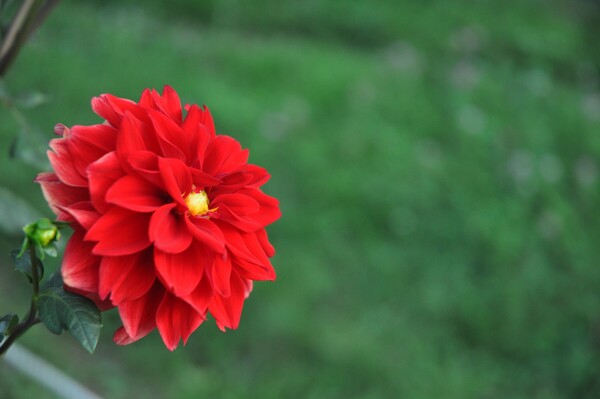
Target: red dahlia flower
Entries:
(168, 217)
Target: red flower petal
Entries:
(131, 136)
(58, 194)
(119, 232)
(221, 274)
(206, 232)
(113, 108)
(199, 123)
(248, 253)
(172, 141)
(103, 106)
(168, 230)
(136, 194)
(238, 210)
(224, 155)
(199, 299)
(145, 163)
(120, 337)
(228, 310)
(101, 175)
(170, 104)
(201, 179)
(127, 277)
(176, 320)
(83, 213)
(86, 144)
(61, 162)
(79, 267)
(269, 207)
(261, 270)
(176, 177)
(182, 272)
(252, 176)
(263, 239)
(200, 116)
(138, 315)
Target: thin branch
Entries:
(29, 16)
(31, 318)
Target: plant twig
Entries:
(30, 15)
(31, 318)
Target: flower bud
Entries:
(42, 233)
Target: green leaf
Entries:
(51, 250)
(22, 263)
(62, 310)
(7, 324)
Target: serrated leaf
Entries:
(7, 324)
(62, 310)
(22, 263)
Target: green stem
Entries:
(34, 274)
(31, 318)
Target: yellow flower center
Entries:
(197, 203)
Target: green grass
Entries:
(437, 167)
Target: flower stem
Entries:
(31, 318)
(34, 274)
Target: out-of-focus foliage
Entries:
(438, 170)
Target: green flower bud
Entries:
(42, 233)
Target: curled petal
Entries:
(269, 206)
(200, 298)
(221, 275)
(168, 230)
(86, 144)
(201, 179)
(126, 277)
(182, 272)
(138, 315)
(249, 256)
(79, 267)
(62, 163)
(176, 320)
(176, 177)
(173, 142)
(170, 104)
(238, 210)
(251, 176)
(83, 213)
(145, 164)
(206, 232)
(112, 108)
(228, 310)
(131, 136)
(263, 239)
(102, 174)
(119, 232)
(199, 123)
(59, 194)
(136, 194)
(224, 155)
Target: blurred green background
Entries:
(437, 167)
